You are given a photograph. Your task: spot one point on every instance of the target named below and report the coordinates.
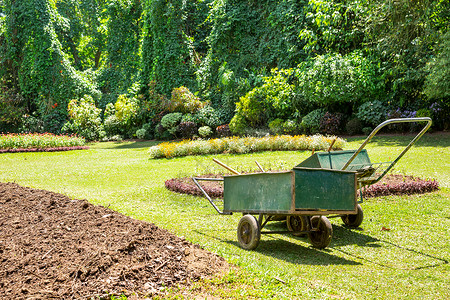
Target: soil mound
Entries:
(52, 247)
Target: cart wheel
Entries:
(297, 223)
(321, 238)
(354, 220)
(248, 232)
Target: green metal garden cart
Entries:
(324, 184)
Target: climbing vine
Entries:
(52, 51)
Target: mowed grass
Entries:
(410, 260)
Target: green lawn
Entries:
(410, 261)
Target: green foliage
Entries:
(367, 130)
(187, 129)
(372, 113)
(33, 59)
(290, 127)
(424, 112)
(311, 122)
(11, 109)
(31, 124)
(437, 83)
(330, 54)
(276, 126)
(170, 122)
(238, 124)
(247, 38)
(270, 101)
(126, 109)
(168, 52)
(205, 131)
(112, 126)
(183, 101)
(84, 119)
(333, 26)
(207, 116)
(354, 126)
(123, 25)
(332, 80)
(141, 133)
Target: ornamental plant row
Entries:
(244, 145)
(39, 141)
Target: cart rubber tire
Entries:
(322, 238)
(248, 232)
(354, 220)
(297, 223)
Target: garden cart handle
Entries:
(211, 201)
(387, 122)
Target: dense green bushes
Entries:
(255, 65)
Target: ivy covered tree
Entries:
(33, 61)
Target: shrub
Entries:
(32, 124)
(109, 111)
(54, 121)
(148, 130)
(238, 124)
(367, 130)
(126, 111)
(188, 118)
(170, 122)
(290, 127)
(311, 122)
(272, 100)
(84, 118)
(12, 106)
(184, 101)
(141, 133)
(424, 112)
(207, 116)
(223, 130)
(187, 130)
(331, 123)
(354, 126)
(372, 113)
(112, 126)
(204, 131)
(276, 126)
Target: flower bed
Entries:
(396, 184)
(244, 145)
(40, 142)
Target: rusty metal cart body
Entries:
(326, 183)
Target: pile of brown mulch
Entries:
(52, 247)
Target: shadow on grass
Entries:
(130, 145)
(343, 236)
(290, 252)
